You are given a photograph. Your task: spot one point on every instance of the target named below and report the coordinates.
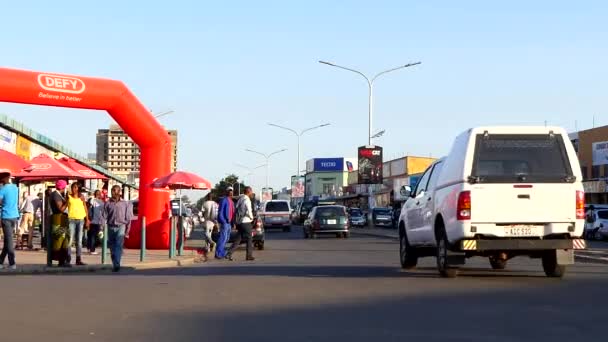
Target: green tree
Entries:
(231, 180)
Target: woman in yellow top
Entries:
(78, 218)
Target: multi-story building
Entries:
(117, 152)
(591, 146)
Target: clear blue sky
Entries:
(229, 67)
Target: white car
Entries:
(276, 214)
(501, 192)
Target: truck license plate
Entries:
(332, 221)
(522, 230)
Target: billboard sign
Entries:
(328, 164)
(23, 148)
(370, 165)
(8, 140)
(600, 153)
(267, 194)
(297, 187)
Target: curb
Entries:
(378, 235)
(43, 269)
(582, 258)
(590, 260)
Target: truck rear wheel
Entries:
(407, 254)
(442, 257)
(551, 267)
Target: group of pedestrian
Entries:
(70, 214)
(224, 217)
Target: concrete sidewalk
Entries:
(591, 255)
(34, 262)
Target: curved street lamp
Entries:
(298, 134)
(267, 157)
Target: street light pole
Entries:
(267, 157)
(370, 84)
(298, 135)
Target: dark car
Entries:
(396, 214)
(303, 210)
(382, 217)
(330, 219)
(257, 233)
(357, 217)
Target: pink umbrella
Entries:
(182, 180)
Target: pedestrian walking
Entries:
(117, 214)
(38, 214)
(27, 221)
(244, 224)
(78, 218)
(60, 233)
(225, 219)
(9, 215)
(95, 206)
(210, 213)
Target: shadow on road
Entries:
(549, 313)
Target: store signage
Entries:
(370, 165)
(328, 164)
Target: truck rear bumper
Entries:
(481, 245)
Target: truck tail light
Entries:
(580, 205)
(463, 209)
(316, 225)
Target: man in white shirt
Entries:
(244, 224)
(209, 210)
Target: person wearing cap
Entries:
(59, 224)
(9, 200)
(225, 219)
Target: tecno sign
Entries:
(63, 84)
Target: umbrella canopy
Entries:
(182, 180)
(44, 167)
(12, 163)
(84, 171)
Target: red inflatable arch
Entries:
(50, 89)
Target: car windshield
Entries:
(383, 211)
(501, 158)
(602, 214)
(307, 206)
(330, 212)
(356, 212)
(277, 206)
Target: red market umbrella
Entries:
(12, 163)
(182, 180)
(84, 171)
(44, 167)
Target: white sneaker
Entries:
(12, 267)
(1, 267)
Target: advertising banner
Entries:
(328, 164)
(266, 194)
(600, 153)
(8, 140)
(297, 187)
(370, 165)
(23, 148)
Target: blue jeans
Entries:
(8, 226)
(220, 251)
(116, 239)
(75, 227)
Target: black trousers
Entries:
(244, 232)
(92, 235)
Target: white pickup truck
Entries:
(501, 192)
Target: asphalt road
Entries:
(310, 290)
